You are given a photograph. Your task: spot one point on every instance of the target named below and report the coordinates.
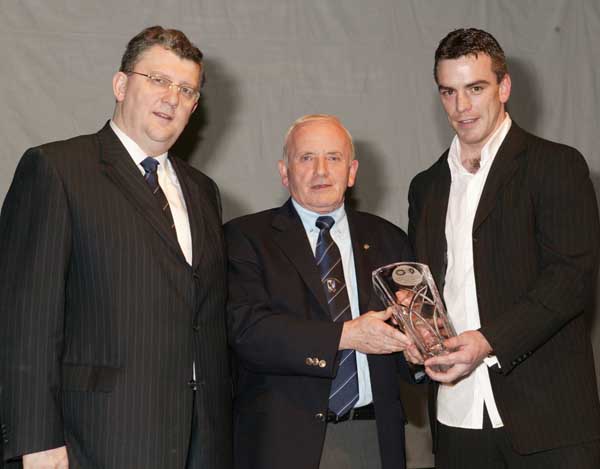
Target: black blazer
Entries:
(101, 316)
(278, 317)
(535, 249)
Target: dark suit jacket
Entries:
(101, 316)
(535, 252)
(278, 317)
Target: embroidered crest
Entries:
(332, 284)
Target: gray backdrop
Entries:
(269, 62)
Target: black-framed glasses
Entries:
(189, 93)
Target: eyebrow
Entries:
(478, 82)
(468, 85)
(169, 77)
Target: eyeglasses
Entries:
(187, 92)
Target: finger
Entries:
(392, 317)
(382, 315)
(411, 357)
(448, 376)
(414, 351)
(446, 359)
(395, 334)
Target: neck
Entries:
(472, 165)
(147, 146)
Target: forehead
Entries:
(161, 60)
(465, 69)
(320, 136)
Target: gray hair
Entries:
(315, 117)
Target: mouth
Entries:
(319, 187)
(164, 116)
(467, 122)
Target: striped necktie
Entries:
(344, 388)
(150, 165)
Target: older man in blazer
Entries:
(508, 223)
(112, 330)
(297, 328)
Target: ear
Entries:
(119, 83)
(283, 172)
(504, 88)
(352, 174)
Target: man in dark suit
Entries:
(303, 332)
(508, 223)
(112, 309)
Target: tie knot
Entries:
(325, 223)
(150, 164)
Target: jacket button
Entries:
(322, 363)
(320, 416)
(309, 361)
(475, 240)
(195, 385)
(196, 327)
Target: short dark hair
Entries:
(471, 41)
(171, 39)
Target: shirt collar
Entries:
(488, 152)
(309, 218)
(137, 154)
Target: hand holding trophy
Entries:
(418, 311)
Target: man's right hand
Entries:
(369, 333)
(50, 459)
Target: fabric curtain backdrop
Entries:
(269, 62)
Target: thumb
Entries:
(453, 342)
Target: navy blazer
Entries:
(278, 317)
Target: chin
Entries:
(162, 137)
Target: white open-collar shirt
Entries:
(461, 404)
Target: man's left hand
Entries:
(470, 348)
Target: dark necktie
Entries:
(150, 165)
(344, 389)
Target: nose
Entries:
(172, 95)
(463, 102)
(322, 169)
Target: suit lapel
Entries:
(363, 251)
(195, 209)
(290, 236)
(504, 166)
(435, 213)
(121, 170)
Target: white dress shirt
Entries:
(340, 233)
(461, 404)
(167, 179)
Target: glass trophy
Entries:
(418, 310)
